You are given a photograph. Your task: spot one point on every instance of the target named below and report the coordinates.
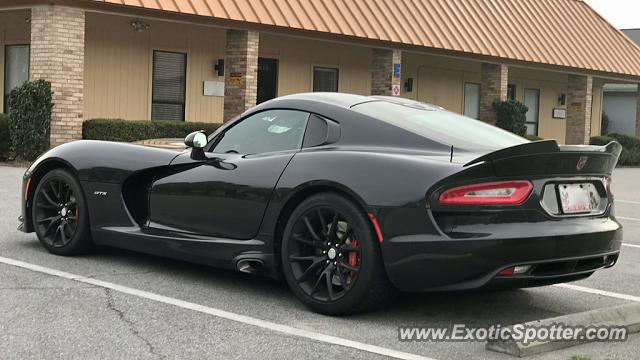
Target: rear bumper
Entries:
(560, 251)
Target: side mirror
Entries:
(196, 140)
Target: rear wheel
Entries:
(331, 257)
(59, 214)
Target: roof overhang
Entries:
(163, 15)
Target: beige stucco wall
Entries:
(298, 56)
(441, 80)
(118, 66)
(551, 86)
(438, 80)
(14, 30)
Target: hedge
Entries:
(511, 116)
(4, 136)
(630, 155)
(30, 106)
(135, 130)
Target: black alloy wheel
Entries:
(331, 256)
(56, 213)
(324, 255)
(59, 214)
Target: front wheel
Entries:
(331, 257)
(60, 215)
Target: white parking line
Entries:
(599, 292)
(631, 245)
(627, 202)
(288, 330)
(627, 218)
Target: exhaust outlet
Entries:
(250, 266)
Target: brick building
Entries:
(209, 60)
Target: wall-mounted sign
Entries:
(235, 79)
(213, 88)
(576, 107)
(559, 113)
(395, 90)
(396, 70)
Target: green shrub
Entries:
(627, 142)
(30, 119)
(601, 140)
(135, 130)
(4, 136)
(511, 116)
(630, 155)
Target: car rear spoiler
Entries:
(547, 157)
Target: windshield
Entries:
(439, 125)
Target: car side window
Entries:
(316, 133)
(267, 131)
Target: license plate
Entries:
(576, 198)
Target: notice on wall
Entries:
(213, 88)
(576, 107)
(396, 70)
(235, 79)
(395, 90)
(559, 113)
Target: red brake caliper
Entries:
(353, 259)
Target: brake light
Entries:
(490, 193)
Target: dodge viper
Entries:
(346, 197)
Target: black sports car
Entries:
(347, 197)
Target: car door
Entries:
(225, 193)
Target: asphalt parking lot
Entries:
(155, 308)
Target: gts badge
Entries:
(100, 193)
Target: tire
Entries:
(60, 214)
(326, 239)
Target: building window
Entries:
(325, 79)
(472, 100)
(169, 85)
(16, 69)
(532, 101)
(511, 92)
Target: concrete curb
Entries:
(624, 315)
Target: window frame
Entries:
(329, 67)
(5, 101)
(186, 80)
(219, 135)
(464, 97)
(537, 122)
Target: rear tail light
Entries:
(515, 270)
(491, 193)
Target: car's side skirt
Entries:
(217, 252)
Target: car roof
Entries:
(332, 98)
(348, 101)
